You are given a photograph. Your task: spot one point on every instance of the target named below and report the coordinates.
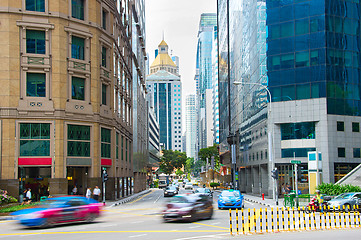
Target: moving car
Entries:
(188, 186)
(60, 210)
(188, 208)
(230, 199)
(204, 191)
(170, 191)
(349, 200)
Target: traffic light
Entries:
(299, 172)
(104, 174)
(275, 173)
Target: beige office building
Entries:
(65, 96)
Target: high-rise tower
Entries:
(165, 89)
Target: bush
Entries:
(156, 181)
(336, 189)
(17, 207)
(6, 198)
(214, 184)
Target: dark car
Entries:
(60, 210)
(188, 208)
(170, 191)
(204, 191)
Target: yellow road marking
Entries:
(7, 221)
(210, 225)
(140, 231)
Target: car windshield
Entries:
(170, 188)
(179, 199)
(230, 194)
(345, 196)
(53, 203)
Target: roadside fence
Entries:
(267, 220)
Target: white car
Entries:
(188, 186)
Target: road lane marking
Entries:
(133, 214)
(140, 235)
(136, 200)
(7, 221)
(194, 227)
(158, 198)
(137, 222)
(130, 231)
(219, 236)
(207, 225)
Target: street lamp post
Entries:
(232, 140)
(270, 134)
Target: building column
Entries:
(58, 186)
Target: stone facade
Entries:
(66, 96)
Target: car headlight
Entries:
(238, 200)
(185, 209)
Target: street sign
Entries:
(295, 162)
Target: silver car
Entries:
(349, 200)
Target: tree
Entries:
(188, 168)
(208, 153)
(172, 160)
(179, 172)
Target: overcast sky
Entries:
(179, 20)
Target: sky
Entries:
(179, 20)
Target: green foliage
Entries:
(336, 189)
(208, 153)
(179, 172)
(156, 182)
(188, 168)
(17, 207)
(6, 198)
(172, 160)
(214, 184)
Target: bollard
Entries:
(272, 221)
(299, 218)
(260, 220)
(304, 219)
(283, 218)
(334, 217)
(278, 219)
(288, 218)
(309, 219)
(339, 217)
(230, 220)
(349, 215)
(262, 196)
(249, 220)
(314, 217)
(293, 219)
(266, 213)
(242, 220)
(254, 220)
(237, 220)
(344, 216)
(358, 217)
(329, 218)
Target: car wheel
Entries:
(90, 218)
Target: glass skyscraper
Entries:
(307, 54)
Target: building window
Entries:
(104, 57)
(117, 145)
(34, 139)
(122, 148)
(105, 19)
(126, 150)
(77, 9)
(35, 5)
(355, 127)
(340, 126)
(341, 152)
(78, 88)
(35, 85)
(105, 143)
(356, 153)
(304, 130)
(104, 94)
(295, 152)
(35, 41)
(78, 141)
(77, 47)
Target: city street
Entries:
(141, 219)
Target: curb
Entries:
(258, 202)
(130, 198)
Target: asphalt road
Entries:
(141, 219)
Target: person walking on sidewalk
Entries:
(88, 193)
(96, 193)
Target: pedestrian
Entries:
(88, 193)
(96, 193)
(28, 195)
(283, 189)
(288, 189)
(75, 190)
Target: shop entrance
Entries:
(35, 178)
(77, 176)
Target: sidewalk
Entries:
(266, 202)
(108, 203)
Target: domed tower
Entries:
(163, 61)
